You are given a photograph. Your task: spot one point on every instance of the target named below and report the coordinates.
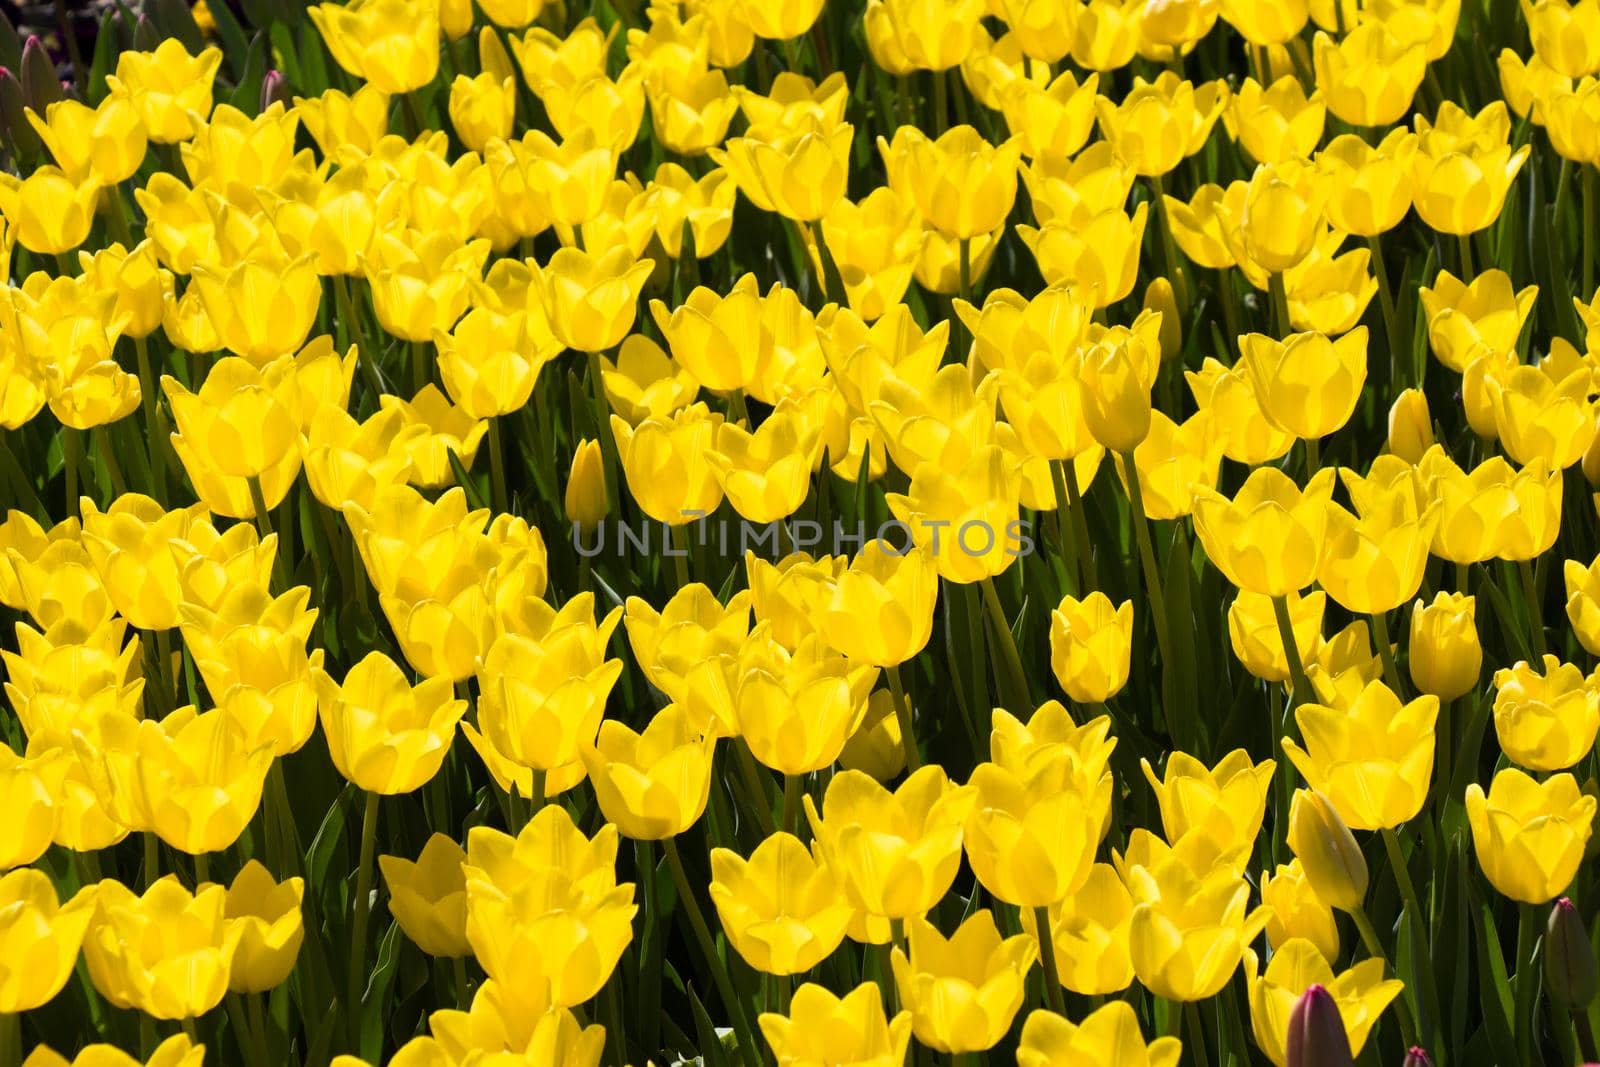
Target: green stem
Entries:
(680, 555)
(1197, 1034)
(258, 1023)
(458, 968)
(10, 1039)
(941, 106)
(602, 421)
(1169, 246)
(497, 469)
(902, 714)
(791, 802)
(1280, 305)
(1391, 670)
(748, 1047)
(1421, 958)
(1464, 245)
(1047, 957)
(1008, 647)
(1586, 1041)
(964, 277)
(1080, 529)
(1291, 652)
(1527, 982)
(757, 783)
(1402, 1009)
(1154, 589)
(1386, 302)
(249, 1041)
(202, 868)
(363, 907)
(366, 351)
(1530, 596)
(149, 392)
(72, 465)
(1069, 543)
(152, 858)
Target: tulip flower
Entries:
(544, 909)
(874, 242)
(420, 282)
(1097, 254)
(167, 86)
(962, 185)
(798, 173)
(1307, 384)
(786, 595)
(782, 911)
(1545, 720)
(1462, 191)
(1246, 434)
(1051, 120)
(1297, 911)
(166, 953)
(823, 1028)
(1033, 829)
(663, 460)
(482, 108)
(1109, 1034)
(1487, 313)
(1546, 412)
(895, 853)
(1446, 655)
(1188, 932)
(1526, 505)
(1258, 643)
(1277, 122)
(428, 897)
(1372, 759)
(1370, 76)
(1529, 836)
(796, 710)
(654, 784)
(1373, 564)
(1564, 34)
(876, 748)
(1224, 805)
(335, 119)
(1328, 854)
(1360, 995)
(140, 285)
(1089, 933)
(490, 362)
(106, 143)
(1159, 124)
(347, 462)
(1090, 644)
(240, 426)
(1269, 538)
(677, 198)
(962, 991)
(129, 546)
(383, 42)
(42, 935)
(266, 914)
(232, 148)
(383, 735)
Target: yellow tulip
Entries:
(1257, 641)
(106, 142)
(167, 86)
(384, 735)
(1097, 254)
(166, 953)
(1188, 932)
(48, 211)
(1361, 994)
(1373, 759)
(1566, 34)
(1158, 124)
(1547, 412)
(1307, 384)
(782, 910)
(389, 43)
(705, 204)
(799, 172)
(1297, 911)
(964, 990)
(823, 1028)
(895, 853)
(591, 301)
(962, 185)
(1529, 836)
(1222, 805)
(175, 1051)
(335, 120)
(1090, 644)
(1246, 434)
(1370, 76)
(428, 897)
(875, 243)
(966, 519)
(1277, 122)
(266, 914)
(1050, 120)
(1462, 190)
(1327, 851)
(654, 784)
(1545, 720)
(42, 937)
(1269, 538)
(1109, 1034)
(1525, 507)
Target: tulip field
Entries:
(744, 532)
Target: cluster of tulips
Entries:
(1056, 715)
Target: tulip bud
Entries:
(1316, 1033)
(1446, 655)
(1327, 850)
(146, 38)
(1417, 1056)
(586, 487)
(1410, 426)
(1569, 964)
(274, 90)
(40, 86)
(1158, 296)
(19, 134)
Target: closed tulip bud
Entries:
(1446, 656)
(1416, 1056)
(1566, 34)
(1545, 721)
(1269, 538)
(267, 916)
(428, 897)
(1410, 426)
(1569, 964)
(1116, 379)
(1109, 1034)
(963, 991)
(1090, 645)
(1297, 911)
(1370, 76)
(823, 1028)
(1316, 1032)
(1158, 297)
(387, 43)
(585, 500)
(1282, 214)
(133, 941)
(1327, 851)
(1308, 384)
(1529, 836)
(19, 136)
(895, 853)
(781, 909)
(41, 87)
(37, 928)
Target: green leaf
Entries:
(375, 1002)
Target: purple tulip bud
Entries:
(1569, 963)
(41, 86)
(274, 89)
(1316, 1033)
(1418, 1057)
